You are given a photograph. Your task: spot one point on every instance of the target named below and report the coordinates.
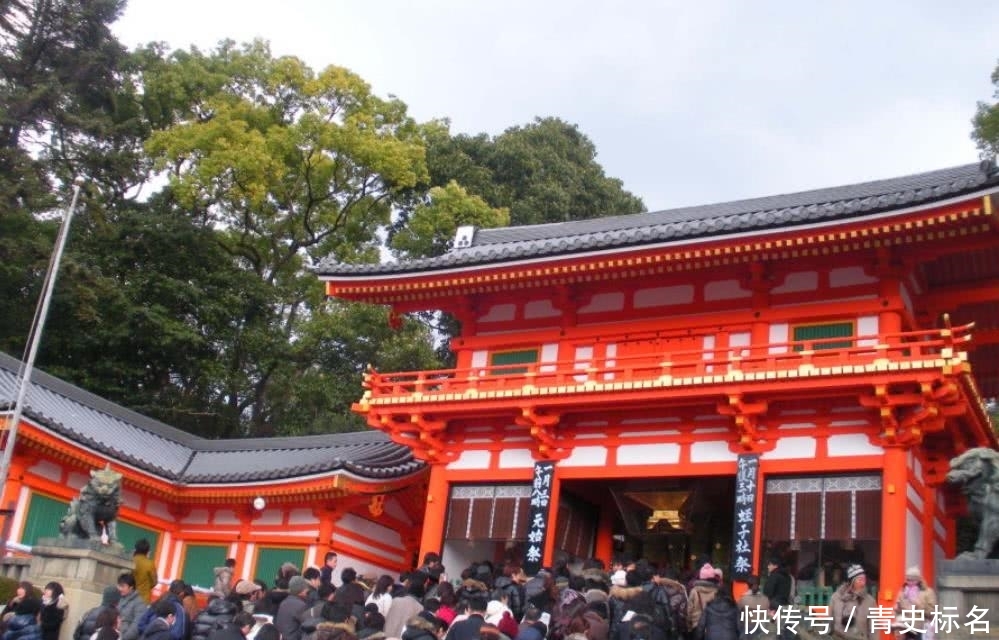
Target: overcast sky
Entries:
(686, 102)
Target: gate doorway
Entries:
(664, 520)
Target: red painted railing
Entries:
(914, 347)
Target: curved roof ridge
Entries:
(496, 245)
(166, 451)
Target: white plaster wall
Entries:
(738, 342)
(663, 296)
(301, 516)
(601, 302)
(226, 516)
(711, 451)
(800, 281)
(515, 459)
(471, 460)
(370, 529)
(549, 353)
(480, 358)
(708, 349)
(363, 567)
(852, 444)
(779, 335)
(906, 297)
(610, 353)
(47, 469)
(540, 309)
(914, 497)
(394, 509)
(793, 447)
(77, 480)
(581, 361)
(586, 457)
(867, 326)
(913, 543)
(725, 290)
(196, 516)
(499, 313)
(665, 453)
(269, 516)
(847, 276)
(131, 499)
(157, 509)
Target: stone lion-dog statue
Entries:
(95, 510)
(977, 471)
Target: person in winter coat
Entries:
(24, 590)
(754, 610)
(88, 623)
(350, 593)
(626, 594)
(131, 607)
(53, 611)
(234, 629)
(287, 619)
(381, 595)
(107, 625)
(164, 617)
(720, 620)
(852, 604)
(777, 587)
(23, 625)
(913, 597)
(701, 593)
(144, 570)
(511, 583)
(218, 613)
(669, 596)
(223, 577)
(419, 628)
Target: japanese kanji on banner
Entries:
(537, 521)
(746, 477)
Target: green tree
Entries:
(431, 228)
(285, 166)
(545, 171)
(986, 122)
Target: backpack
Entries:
(663, 615)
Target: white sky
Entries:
(686, 102)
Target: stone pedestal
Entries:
(965, 584)
(81, 568)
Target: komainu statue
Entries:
(95, 511)
(977, 471)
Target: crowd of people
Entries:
(629, 600)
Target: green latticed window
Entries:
(810, 332)
(270, 559)
(42, 521)
(129, 534)
(200, 561)
(503, 358)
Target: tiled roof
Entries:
(491, 246)
(181, 457)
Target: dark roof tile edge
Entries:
(979, 176)
(196, 444)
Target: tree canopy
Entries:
(214, 181)
(985, 131)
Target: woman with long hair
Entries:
(53, 611)
(381, 595)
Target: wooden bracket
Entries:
(542, 427)
(746, 418)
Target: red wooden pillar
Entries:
(603, 548)
(435, 516)
(929, 496)
(893, 520)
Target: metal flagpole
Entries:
(24, 372)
